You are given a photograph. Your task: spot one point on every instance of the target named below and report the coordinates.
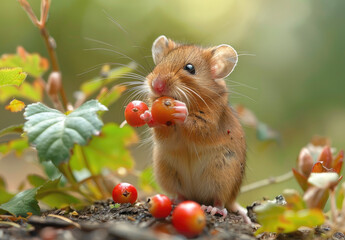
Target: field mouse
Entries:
(202, 157)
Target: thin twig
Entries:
(49, 41)
(266, 182)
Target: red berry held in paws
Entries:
(133, 111)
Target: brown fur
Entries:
(202, 159)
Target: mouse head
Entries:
(190, 73)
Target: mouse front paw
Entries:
(181, 112)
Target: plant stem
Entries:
(266, 182)
(49, 41)
(66, 171)
(333, 206)
(96, 178)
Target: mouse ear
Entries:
(223, 61)
(161, 47)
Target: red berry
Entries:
(163, 109)
(133, 111)
(124, 193)
(160, 206)
(188, 218)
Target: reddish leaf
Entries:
(337, 168)
(326, 157)
(318, 168)
(301, 179)
(338, 158)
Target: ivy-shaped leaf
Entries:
(11, 76)
(107, 150)
(54, 133)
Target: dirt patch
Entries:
(104, 221)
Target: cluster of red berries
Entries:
(162, 111)
(188, 218)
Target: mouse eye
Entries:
(190, 68)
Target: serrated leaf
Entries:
(14, 129)
(279, 219)
(11, 76)
(15, 106)
(108, 150)
(90, 87)
(33, 64)
(54, 133)
(22, 203)
(147, 182)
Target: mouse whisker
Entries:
(192, 97)
(119, 53)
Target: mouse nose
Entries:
(159, 85)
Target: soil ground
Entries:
(103, 221)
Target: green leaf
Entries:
(340, 196)
(33, 64)
(4, 195)
(90, 87)
(109, 97)
(16, 145)
(108, 150)
(36, 180)
(14, 129)
(279, 219)
(293, 199)
(50, 194)
(22, 203)
(147, 182)
(11, 76)
(32, 92)
(54, 133)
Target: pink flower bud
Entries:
(305, 162)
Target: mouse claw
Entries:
(181, 112)
(214, 210)
(146, 116)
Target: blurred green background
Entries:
(290, 73)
